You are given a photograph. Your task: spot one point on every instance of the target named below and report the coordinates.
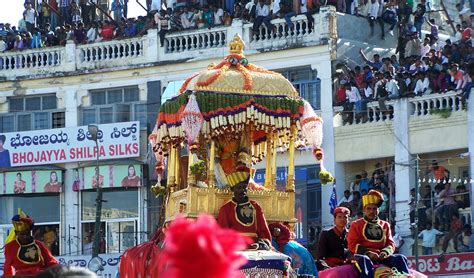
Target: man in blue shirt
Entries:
(130, 30)
(376, 63)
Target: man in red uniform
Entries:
(242, 214)
(24, 255)
(370, 239)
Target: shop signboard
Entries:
(110, 262)
(74, 144)
(451, 264)
(23, 182)
(110, 176)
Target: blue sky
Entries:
(12, 12)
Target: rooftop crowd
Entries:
(53, 22)
(422, 64)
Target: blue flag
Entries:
(333, 199)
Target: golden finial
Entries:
(211, 66)
(237, 45)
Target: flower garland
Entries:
(248, 81)
(241, 64)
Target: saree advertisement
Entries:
(74, 144)
(24, 182)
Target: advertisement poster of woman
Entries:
(76, 185)
(94, 179)
(4, 154)
(19, 186)
(53, 185)
(131, 180)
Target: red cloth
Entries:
(333, 262)
(258, 229)
(16, 266)
(284, 236)
(141, 261)
(107, 32)
(340, 95)
(466, 34)
(359, 241)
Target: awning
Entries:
(171, 90)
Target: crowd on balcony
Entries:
(53, 22)
(423, 63)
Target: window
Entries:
(306, 83)
(32, 113)
(49, 205)
(117, 204)
(115, 105)
(47, 218)
(118, 230)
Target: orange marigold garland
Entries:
(233, 60)
(210, 80)
(248, 82)
(255, 68)
(186, 82)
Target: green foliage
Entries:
(325, 177)
(198, 168)
(443, 113)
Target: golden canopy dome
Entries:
(234, 74)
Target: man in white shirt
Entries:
(422, 84)
(275, 7)
(346, 199)
(429, 239)
(3, 47)
(355, 185)
(262, 15)
(187, 18)
(218, 16)
(373, 14)
(352, 97)
(30, 17)
(391, 86)
(425, 47)
(352, 94)
(249, 13)
(92, 33)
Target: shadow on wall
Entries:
(354, 34)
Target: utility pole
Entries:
(417, 184)
(94, 130)
(69, 238)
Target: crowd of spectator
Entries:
(439, 203)
(422, 64)
(438, 211)
(382, 180)
(53, 22)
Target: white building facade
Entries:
(121, 84)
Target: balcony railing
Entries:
(31, 59)
(190, 44)
(372, 114)
(91, 55)
(421, 106)
(196, 40)
(425, 105)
